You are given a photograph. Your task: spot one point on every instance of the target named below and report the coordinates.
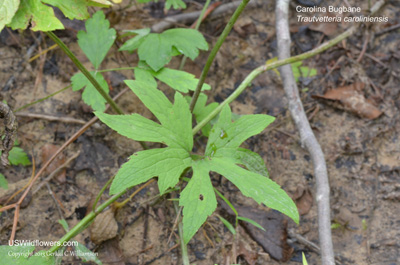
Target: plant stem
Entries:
(261, 69)
(185, 255)
(84, 71)
(116, 69)
(214, 52)
(203, 11)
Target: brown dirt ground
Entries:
(363, 156)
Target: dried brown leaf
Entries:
(303, 199)
(104, 227)
(351, 98)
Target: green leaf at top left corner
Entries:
(98, 38)
(40, 16)
(90, 95)
(8, 8)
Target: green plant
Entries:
(222, 155)
(17, 156)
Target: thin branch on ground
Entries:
(307, 136)
(50, 118)
(187, 18)
(55, 172)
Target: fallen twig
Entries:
(55, 172)
(306, 134)
(191, 17)
(50, 118)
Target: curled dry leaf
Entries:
(351, 98)
(104, 227)
(48, 150)
(303, 199)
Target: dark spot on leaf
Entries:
(201, 197)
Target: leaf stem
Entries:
(214, 52)
(263, 68)
(116, 69)
(84, 71)
(185, 255)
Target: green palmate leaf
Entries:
(145, 76)
(226, 136)
(175, 4)
(186, 41)
(175, 131)
(3, 182)
(201, 111)
(223, 148)
(97, 39)
(174, 118)
(198, 200)
(157, 49)
(166, 163)
(222, 155)
(260, 188)
(176, 79)
(19, 255)
(90, 95)
(7, 11)
(39, 15)
(15, 254)
(17, 156)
